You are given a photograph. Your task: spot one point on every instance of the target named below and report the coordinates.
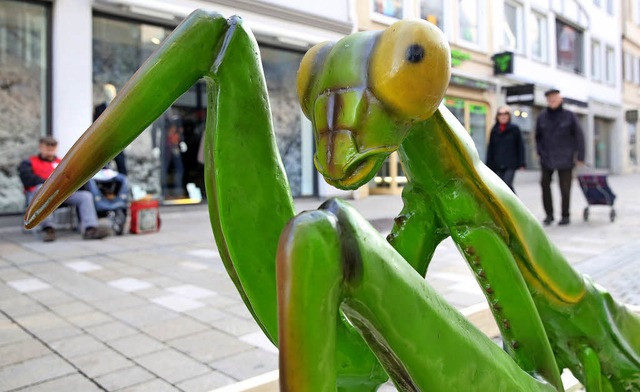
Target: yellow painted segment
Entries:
(413, 89)
(305, 76)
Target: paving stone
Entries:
(155, 385)
(177, 303)
(247, 364)
(48, 326)
(235, 326)
(111, 331)
(119, 302)
(74, 382)
(124, 378)
(28, 285)
(172, 366)
(51, 297)
(206, 382)
(77, 345)
(21, 351)
(174, 328)
(82, 266)
(100, 362)
(259, 340)
(20, 306)
(207, 314)
(147, 314)
(89, 319)
(191, 291)
(12, 333)
(209, 345)
(72, 308)
(136, 345)
(33, 371)
(129, 284)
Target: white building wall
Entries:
(604, 98)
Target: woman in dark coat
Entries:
(506, 150)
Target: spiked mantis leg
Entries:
(423, 342)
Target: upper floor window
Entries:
(611, 65)
(628, 67)
(596, 60)
(635, 11)
(390, 8)
(469, 21)
(513, 27)
(569, 47)
(538, 34)
(433, 11)
(610, 7)
(636, 70)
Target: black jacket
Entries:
(559, 139)
(506, 149)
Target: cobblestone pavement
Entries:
(157, 312)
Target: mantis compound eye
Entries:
(310, 67)
(410, 68)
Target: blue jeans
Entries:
(82, 200)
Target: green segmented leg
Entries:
(500, 279)
(247, 189)
(423, 342)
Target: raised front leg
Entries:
(423, 342)
(247, 190)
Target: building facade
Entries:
(61, 59)
(630, 21)
(472, 91)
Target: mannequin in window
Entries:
(109, 91)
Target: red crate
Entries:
(145, 216)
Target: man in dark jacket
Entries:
(560, 144)
(33, 173)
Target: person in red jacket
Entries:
(33, 173)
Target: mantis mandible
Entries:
(345, 307)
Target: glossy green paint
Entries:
(337, 283)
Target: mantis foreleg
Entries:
(423, 342)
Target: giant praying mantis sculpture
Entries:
(344, 306)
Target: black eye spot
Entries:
(415, 53)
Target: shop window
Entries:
(24, 91)
(433, 11)
(596, 60)
(280, 69)
(633, 142)
(513, 31)
(569, 41)
(474, 117)
(538, 34)
(165, 159)
(601, 143)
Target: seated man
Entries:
(36, 169)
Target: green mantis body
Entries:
(341, 303)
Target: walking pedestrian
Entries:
(560, 145)
(505, 153)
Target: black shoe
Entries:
(547, 221)
(48, 234)
(564, 221)
(95, 233)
